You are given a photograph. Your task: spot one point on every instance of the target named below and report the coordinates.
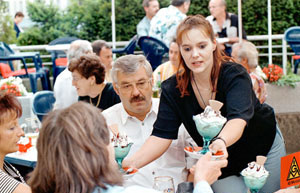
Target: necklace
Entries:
(200, 92)
(99, 97)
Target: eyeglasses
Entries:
(140, 85)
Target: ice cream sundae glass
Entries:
(122, 148)
(255, 175)
(209, 123)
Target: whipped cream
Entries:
(255, 170)
(120, 140)
(209, 116)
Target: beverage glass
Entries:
(164, 184)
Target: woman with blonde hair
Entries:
(75, 154)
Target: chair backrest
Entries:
(129, 48)
(5, 70)
(292, 36)
(42, 103)
(5, 50)
(63, 40)
(153, 49)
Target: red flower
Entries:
(273, 72)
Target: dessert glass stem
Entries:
(119, 161)
(206, 143)
(254, 190)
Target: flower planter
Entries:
(286, 103)
(284, 99)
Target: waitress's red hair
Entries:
(183, 76)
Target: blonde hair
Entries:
(72, 152)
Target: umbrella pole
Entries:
(240, 20)
(113, 25)
(270, 31)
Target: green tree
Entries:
(49, 22)
(7, 32)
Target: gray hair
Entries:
(146, 3)
(178, 3)
(129, 64)
(247, 50)
(78, 48)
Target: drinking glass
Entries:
(164, 184)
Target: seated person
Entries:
(10, 133)
(135, 115)
(104, 52)
(75, 155)
(246, 54)
(64, 92)
(88, 77)
(167, 69)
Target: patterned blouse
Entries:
(10, 178)
(259, 87)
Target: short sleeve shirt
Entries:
(143, 27)
(234, 90)
(229, 28)
(108, 98)
(164, 24)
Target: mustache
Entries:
(137, 98)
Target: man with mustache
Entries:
(135, 115)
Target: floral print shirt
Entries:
(164, 24)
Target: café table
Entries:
(27, 159)
(222, 40)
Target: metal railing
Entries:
(284, 54)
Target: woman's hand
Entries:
(219, 145)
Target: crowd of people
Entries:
(95, 95)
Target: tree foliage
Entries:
(7, 32)
(91, 19)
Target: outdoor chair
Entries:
(58, 65)
(129, 48)
(8, 55)
(153, 49)
(42, 103)
(292, 36)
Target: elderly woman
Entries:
(246, 54)
(10, 132)
(88, 77)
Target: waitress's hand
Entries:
(127, 162)
(219, 145)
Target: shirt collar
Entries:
(227, 17)
(125, 116)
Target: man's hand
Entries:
(207, 169)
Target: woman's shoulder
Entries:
(231, 69)
(8, 183)
(170, 84)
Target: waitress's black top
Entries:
(234, 89)
(108, 97)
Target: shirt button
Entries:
(153, 173)
(143, 123)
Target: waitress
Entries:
(251, 127)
